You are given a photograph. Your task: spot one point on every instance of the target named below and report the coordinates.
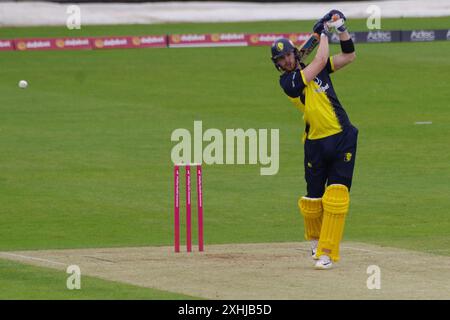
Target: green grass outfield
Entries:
(85, 150)
(19, 281)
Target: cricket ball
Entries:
(23, 84)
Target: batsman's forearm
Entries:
(347, 46)
(323, 51)
(344, 36)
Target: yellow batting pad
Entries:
(311, 209)
(335, 201)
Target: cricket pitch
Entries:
(259, 271)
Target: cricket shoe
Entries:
(323, 263)
(314, 244)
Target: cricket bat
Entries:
(311, 43)
(308, 46)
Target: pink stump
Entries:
(200, 207)
(177, 208)
(188, 210)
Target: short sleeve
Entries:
(330, 66)
(293, 83)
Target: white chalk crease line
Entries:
(31, 258)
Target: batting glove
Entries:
(320, 28)
(336, 20)
(336, 13)
(330, 14)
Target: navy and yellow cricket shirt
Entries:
(322, 112)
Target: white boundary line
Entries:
(423, 122)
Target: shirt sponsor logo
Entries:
(321, 87)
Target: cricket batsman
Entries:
(329, 137)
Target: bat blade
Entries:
(308, 46)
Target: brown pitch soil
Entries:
(259, 271)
